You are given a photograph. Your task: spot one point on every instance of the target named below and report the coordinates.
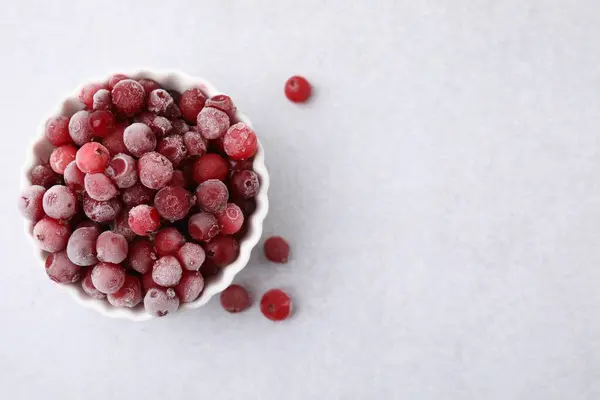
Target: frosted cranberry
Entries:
(137, 194)
(240, 142)
(160, 302)
(159, 101)
(74, 177)
(114, 142)
(248, 206)
(102, 123)
(222, 250)
(59, 202)
(173, 202)
(155, 170)
(143, 219)
(129, 97)
(148, 84)
(145, 117)
(276, 305)
(297, 89)
(102, 100)
(212, 195)
(240, 165)
(194, 143)
(203, 226)
(60, 269)
(88, 92)
(189, 287)
(231, 220)
(167, 271)
(139, 139)
(57, 131)
(92, 157)
(210, 166)
(130, 294)
(121, 226)
(142, 256)
(178, 179)
(235, 299)
(122, 169)
(180, 127)
(161, 126)
(108, 278)
(190, 104)
(168, 241)
(173, 148)
(30, 202)
(222, 102)
(245, 184)
(277, 249)
(43, 175)
(51, 235)
(212, 123)
(209, 269)
(89, 288)
(101, 211)
(148, 283)
(191, 256)
(114, 79)
(81, 247)
(80, 129)
(111, 247)
(99, 187)
(61, 157)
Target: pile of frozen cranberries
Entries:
(145, 194)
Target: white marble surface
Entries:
(441, 193)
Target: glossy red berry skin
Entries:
(210, 166)
(276, 305)
(240, 142)
(297, 89)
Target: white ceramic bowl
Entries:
(40, 150)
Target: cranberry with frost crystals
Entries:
(81, 247)
(160, 302)
(111, 247)
(180, 127)
(160, 101)
(99, 187)
(137, 194)
(60, 269)
(102, 123)
(173, 148)
(114, 79)
(277, 249)
(108, 278)
(155, 170)
(148, 283)
(139, 139)
(122, 169)
(57, 131)
(231, 220)
(222, 102)
(203, 226)
(142, 256)
(51, 235)
(92, 157)
(194, 143)
(89, 288)
(210, 166)
(191, 256)
(79, 127)
(74, 177)
(130, 294)
(143, 219)
(235, 299)
(115, 142)
(61, 157)
(212, 123)
(101, 211)
(190, 286)
(191, 103)
(129, 97)
(245, 184)
(148, 84)
(88, 92)
(161, 126)
(297, 89)
(167, 271)
(240, 142)
(168, 241)
(102, 100)
(212, 195)
(30, 202)
(43, 175)
(59, 202)
(173, 202)
(222, 250)
(276, 305)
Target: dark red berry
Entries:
(137, 194)
(191, 103)
(142, 255)
(222, 250)
(102, 100)
(30, 202)
(115, 142)
(245, 184)
(101, 211)
(173, 202)
(121, 226)
(235, 299)
(211, 196)
(160, 101)
(74, 177)
(44, 175)
(99, 187)
(57, 131)
(173, 148)
(203, 226)
(191, 256)
(210, 166)
(277, 249)
(194, 143)
(87, 93)
(222, 102)
(148, 84)
(167, 241)
(276, 305)
(89, 288)
(297, 89)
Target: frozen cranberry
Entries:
(168, 241)
(210, 166)
(114, 79)
(99, 187)
(203, 226)
(74, 177)
(173, 202)
(114, 142)
(79, 127)
(178, 179)
(194, 143)
(167, 271)
(161, 126)
(231, 220)
(173, 148)
(101, 211)
(142, 256)
(222, 102)
(111, 247)
(122, 169)
(209, 269)
(276, 305)
(129, 97)
(108, 278)
(139, 139)
(148, 84)
(57, 131)
(155, 170)
(43, 175)
(89, 288)
(61, 157)
(240, 165)
(190, 104)
(145, 117)
(51, 235)
(88, 92)
(235, 299)
(248, 206)
(81, 247)
(121, 226)
(277, 249)
(60, 269)
(102, 100)
(143, 219)
(102, 123)
(240, 142)
(148, 283)
(297, 89)
(160, 302)
(159, 101)
(212, 195)
(30, 202)
(175, 95)
(180, 127)
(189, 287)
(59, 202)
(212, 123)
(92, 157)
(191, 256)
(245, 184)
(130, 294)
(137, 194)
(222, 250)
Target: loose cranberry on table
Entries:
(276, 305)
(235, 299)
(297, 89)
(277, 249)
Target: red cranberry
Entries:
(122, 169)
(114, 142)
(43, 175)
(61, 157)
(203, 226)
(80, 129)
(297, 89)
(248, 206)
(74, 177)
(101, 211)
(92, 157)
(191, 256)
(111, 247)
(194, 143)
(57, 131)
(210, 166)
(173, 203)
(190, 104)
(240, 142)
(235, 299)
(148, 283)
(155, 170)
(159, 101)
(121, 226)
(245, 184)
(209, 269)
(144, 219)
(99, 187)
(145, 117)
(108, 278)
(139, 139)
(102, 100)
(142, 256)
(60, 269)
(160, 302)
(180, 127)
(173, 148)
(222, 250)
(88, 92)
(130, 294)
(168, 241)
(212, 123)
(148, 84)
(114, 79)
(59, 202)
(276, 305)
(189, 287)
(137, 194)
(222, 102)
(231, 220)
(167, 271)
(102, 123)
(212, 195)
(161, 126)
(81, 247)
(89, 288)
(51, 235)
(277, 249)
(129, 97)
(30, 202)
